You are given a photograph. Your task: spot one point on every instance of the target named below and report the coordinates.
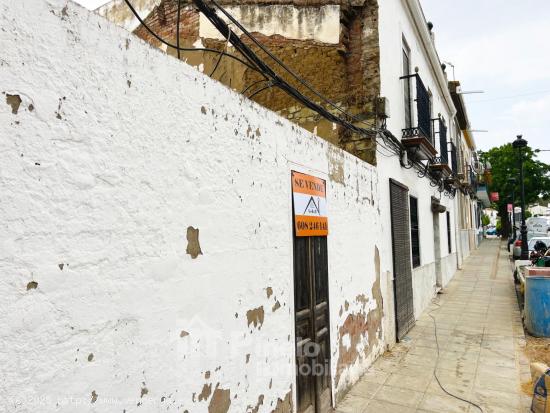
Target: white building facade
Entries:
(150, 246)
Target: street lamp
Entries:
(513, 181)
(519, 144)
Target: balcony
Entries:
(418, 137)
(439, 165)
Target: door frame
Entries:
(323, 403)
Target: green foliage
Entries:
(504, 163)
(528, 214)
(498, 226)
(485, 220)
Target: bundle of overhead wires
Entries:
(329, 110)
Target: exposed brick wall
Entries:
(346, 73)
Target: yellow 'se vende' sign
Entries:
(310, 205)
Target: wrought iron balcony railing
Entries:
(423, 126)
(418, 134)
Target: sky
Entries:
(503, 48)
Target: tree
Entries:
(504, 165)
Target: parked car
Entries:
(537, 225)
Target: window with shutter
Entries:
(415, 232)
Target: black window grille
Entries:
(449, 231)
(423, 99)
(407, 89)
(454, 159)
(443, 157)
(424, 107)
(415, 232)
(443, 149)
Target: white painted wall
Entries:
(115, 150)
(395, 23)
(303, 23)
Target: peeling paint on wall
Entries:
(14, 101)
(193, 245)
(361, 331)
(256, 317)
(145, 191)
(221, 400)
(255, 409)
(336, 165)
(284, 405)
(205, 392)
(32, 285)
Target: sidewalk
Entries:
(481, 342)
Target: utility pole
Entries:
(513, 181)
(519, 144)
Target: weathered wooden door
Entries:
(312, 324)
(401, 249)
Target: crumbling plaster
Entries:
(126, 154)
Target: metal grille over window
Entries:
(454, 159)
(444, 155)
(415, 233)
(418, 135)
(423, 127)
(449, 231)
(423, 107)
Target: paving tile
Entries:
(439, 403)
(496, 398)
(352, 404)
(481, 341)
(416, 383)
(507, 372)
(375, 375)
(399, 396)
(377, 406)
(365, 389)
(492, 382)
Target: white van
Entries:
(537, 225)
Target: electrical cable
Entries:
(252, 85)
(221, 56)
(280, 63)
(437, 361)
(185, 49)
(269, 85)
(246, 51)
(255, 63)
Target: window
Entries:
(449, 231)
(431, 116)
(407, 85)
(415, 238)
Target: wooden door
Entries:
(312, 324)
